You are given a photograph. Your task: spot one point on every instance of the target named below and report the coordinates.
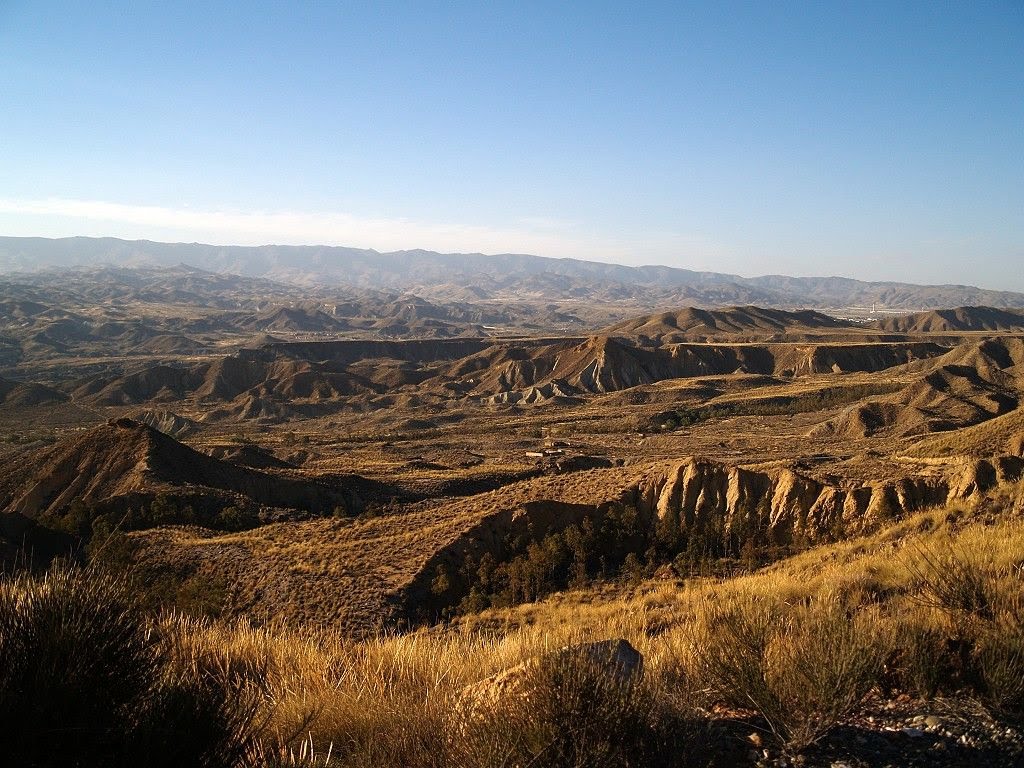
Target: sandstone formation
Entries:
(167, 422)
(781, 505)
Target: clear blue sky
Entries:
(877, 140)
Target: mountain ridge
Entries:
(440, 276)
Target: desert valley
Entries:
(366, 500)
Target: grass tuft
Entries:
(801, 668)
(85, 680)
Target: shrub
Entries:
(74, 659)
(1000, 665)
(999, 655)
(801, 668)
(235, 519)
(109, 548)
(85, 681)
(165, 511)
(824, 666)
(201, 720)
(984, 607)
(955, 582)
(571, 713)
(922, 663)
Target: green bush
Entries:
(603, 546)
(235, 519)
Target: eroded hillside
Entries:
(317, 469)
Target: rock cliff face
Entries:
(776, 504)
(781, 505)
(710, 504)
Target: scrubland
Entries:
(310, 552)
(931, 608)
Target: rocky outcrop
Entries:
(976, 476)
(167, 422)
(710, 505)
(781, 505)
(248, 455)
(615, 661)
(552, 391)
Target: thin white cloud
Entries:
(61, 217)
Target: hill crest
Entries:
(954, 320)
(124, 462)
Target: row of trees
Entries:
(85, 521)
(616, 542)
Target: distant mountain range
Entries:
(478, 277)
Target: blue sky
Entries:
(876, 140)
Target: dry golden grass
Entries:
(1000, 435)
(353, 573)
(828, 620)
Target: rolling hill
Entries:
(955, 320)
(124, 464)
(970, 384)
(695, 324)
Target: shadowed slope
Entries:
(20, 394)
(969, 384)
(124, 462)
